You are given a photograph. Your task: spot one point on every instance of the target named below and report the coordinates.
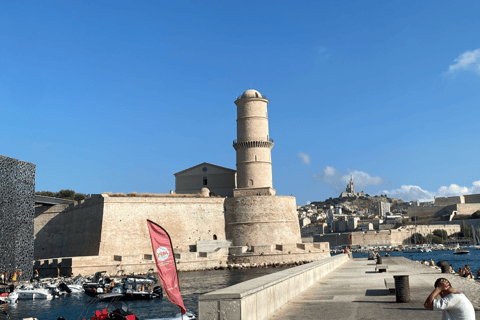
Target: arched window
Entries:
(250, 182)
(255, 157)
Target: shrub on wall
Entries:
(418, 238)
(475, 215)
(64, 194)
(440, 233)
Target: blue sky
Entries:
(119, 95)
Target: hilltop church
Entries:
(350, 191)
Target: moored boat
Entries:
(460, 250)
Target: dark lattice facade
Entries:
(17, 208)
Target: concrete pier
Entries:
(260, 298)
(355, 291)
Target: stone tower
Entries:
(253, 146)
(256, 216)
(350, 187)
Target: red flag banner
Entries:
(166, 266)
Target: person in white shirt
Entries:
(454, 305)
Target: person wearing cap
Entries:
(453, 304)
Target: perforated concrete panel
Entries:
(17, 208)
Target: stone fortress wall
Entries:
(446, 201)
(472, 198)
(187, 220)
(463, 209)
(111, 233)
(68, 230)
(393, 237)
(107, 225)
(261, 220)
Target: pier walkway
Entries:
(355, 291)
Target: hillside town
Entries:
(358, 219)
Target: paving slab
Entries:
(356, 291)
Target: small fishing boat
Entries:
(460, 250)
(186, 316)
(129, 289)
(413, 250)
(7, 297)
(31, 293)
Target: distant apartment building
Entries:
(304, 222)
(364, 226)
(312, 230)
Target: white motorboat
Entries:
(8, 297)
(413, 250)
(34, 293)
(186, 316)
(460, 250)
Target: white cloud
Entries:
(339, 181)
(409, 192)
(323, 52)
(305, 157)
(467, 61)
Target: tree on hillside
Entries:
(465, 232)
(440, 233)
(64, 194)
(431, 238)
(418, 238)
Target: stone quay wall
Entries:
(262, 220)
(393, 237)
(259, 298)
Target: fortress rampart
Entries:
(393, 237)
(105, 225)
(110, 233)
(261, 220)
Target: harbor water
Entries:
(456, 260)
(192, 285)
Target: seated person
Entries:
(450, 269)
(453, 304)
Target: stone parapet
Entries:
(259, 298)
(245, 192)
(237, 250)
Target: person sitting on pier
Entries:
(467, 272)
(453, 304)
(460, 272)
(450, 269)
(478, 274)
